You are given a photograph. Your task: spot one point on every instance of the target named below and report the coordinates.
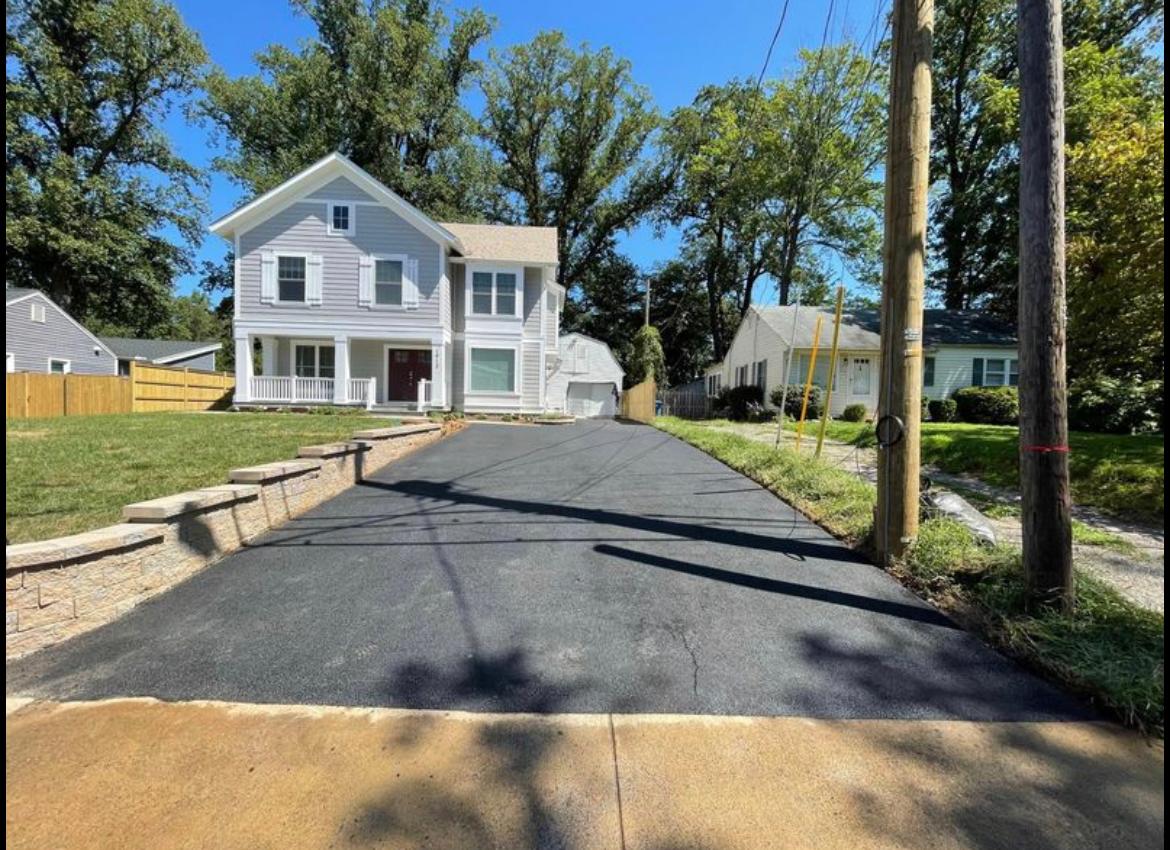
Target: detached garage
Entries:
(586, 379)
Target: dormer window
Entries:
(341, 219)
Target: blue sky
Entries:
(675, 48)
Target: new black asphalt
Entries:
(587, 568)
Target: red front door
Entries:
(406, 367)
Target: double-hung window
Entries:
(1001, 372)
(493, 370)
(388, 282)
(341, 219)
(311, 360)
(493, 293)
(290, 278)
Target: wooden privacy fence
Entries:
(167, 388)
(638, 402)
(686, 404)
(31, 395)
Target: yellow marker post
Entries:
(832, 370)
(812, 365)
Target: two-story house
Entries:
(353, 296)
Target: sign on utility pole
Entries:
(1044, 489)
(903, 275)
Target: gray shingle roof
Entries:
(128, 348)
(860, 328)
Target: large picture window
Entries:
(493, 370)
(290, 278)
(313, 361)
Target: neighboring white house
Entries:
(961, 348)
(354, 296)
(587, 378)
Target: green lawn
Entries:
(1108, 649)
(1121, 475)
(75, 473)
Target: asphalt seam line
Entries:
(617, 785)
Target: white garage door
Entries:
(590, 399)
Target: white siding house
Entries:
(960, 349)
(354, 296)
(587, 379)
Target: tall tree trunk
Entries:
(1044, 487)
(788, 259)
(715, 296)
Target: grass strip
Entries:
(1108, 649)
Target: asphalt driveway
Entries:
(588, 568)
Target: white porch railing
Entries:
(362, 389)
(291, 390)
(425, 390)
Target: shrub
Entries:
(854, 413)
(793, 401)
(988, 405)
(1111, 406)
(943, 410)
(738, 400)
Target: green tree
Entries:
(382, 83)
(93, 187)
(646, 359)
(780, 182)
(569, 128)
(1116, 247)
(973, 231)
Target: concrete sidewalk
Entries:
(145, 774)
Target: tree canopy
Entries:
(95, 192)
(382, 82)
(568, 129)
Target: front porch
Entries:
(398, 374)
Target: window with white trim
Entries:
(9, 362)
(37, 312)
(492, 370)
(493, 293)
(341, 219)
(1001, 372)
(313, 360)
(290, 278)
(59, 367)
(388, 282)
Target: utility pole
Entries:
(1044, 490)
(903, 274)
(647, 321)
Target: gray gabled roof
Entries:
(157, 350)
(860, 328)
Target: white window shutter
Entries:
(365, 281)
(267, 277)
(410, 289)
(313, 269)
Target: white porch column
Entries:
(267, 355)
(341, 370)
(438, 377)
(243, 368)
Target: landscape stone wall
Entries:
(55, 589)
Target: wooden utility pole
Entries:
(647, 322)
(1044, 490)
(903, 274)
